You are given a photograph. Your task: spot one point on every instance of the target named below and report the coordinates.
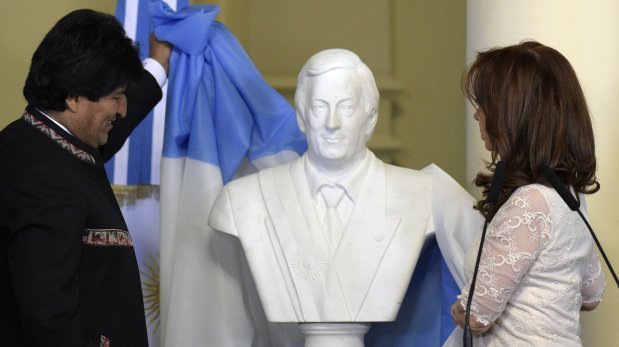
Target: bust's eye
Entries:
(347, 108)
(318, 109)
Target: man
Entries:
(68, 272)
(312, 262)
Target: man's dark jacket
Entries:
(68, 272)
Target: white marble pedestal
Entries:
(334, 334)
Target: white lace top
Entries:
(537, 267)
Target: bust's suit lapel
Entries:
(367, 236)
(300, 196)
(303, 248)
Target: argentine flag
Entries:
(222, 120)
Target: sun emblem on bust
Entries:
(309, 263)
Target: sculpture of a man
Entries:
(313, 262)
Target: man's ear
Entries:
(72, 103)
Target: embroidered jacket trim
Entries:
(57, 138)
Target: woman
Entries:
(538, 267)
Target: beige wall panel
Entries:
(429, 50)
(283, 34)
(23, 24)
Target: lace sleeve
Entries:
(514, 238)
(594, 282)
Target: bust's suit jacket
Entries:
(298, 280)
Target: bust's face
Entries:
(336, 119)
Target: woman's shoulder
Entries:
(535, 191)
(539, 197)
(534, 197)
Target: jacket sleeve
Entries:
(141, 99)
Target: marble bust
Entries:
(314, 260)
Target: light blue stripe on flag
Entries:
(120, 10)
(140, 144)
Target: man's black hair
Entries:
(86, 53)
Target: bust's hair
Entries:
(536, 115)
(332, 59)
(86, 53)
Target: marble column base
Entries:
(334, 334)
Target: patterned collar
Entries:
(57, 137)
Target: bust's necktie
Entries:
(331, 222)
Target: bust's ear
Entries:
(300, 120)
(372, 119)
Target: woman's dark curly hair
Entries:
(536, 115)
(86, 53)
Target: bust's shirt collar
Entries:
(351, 183)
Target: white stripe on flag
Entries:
(121, 163)
(157, 138)
(158, 125)
(131, 18)
(121, 158)
(172, 4)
